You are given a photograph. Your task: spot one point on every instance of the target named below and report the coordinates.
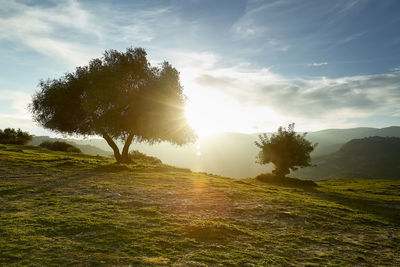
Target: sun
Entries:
(210, 112)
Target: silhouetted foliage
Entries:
(286, 149)
(120, 96)
(60, 146)
(15, 137)
(135, 155)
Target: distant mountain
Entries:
(84, 147)
(370, 157)
(233, 154)
(331, 140)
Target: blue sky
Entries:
(247, 66)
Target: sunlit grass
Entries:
(71, 209)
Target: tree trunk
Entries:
(281, 172)
(125, 150)
(115, 148)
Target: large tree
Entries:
(286, 149)
(119, 97)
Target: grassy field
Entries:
(71, 209)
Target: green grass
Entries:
(72, 209)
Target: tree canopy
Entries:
(119, 96)
(286, 149)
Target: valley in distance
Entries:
(233, 154)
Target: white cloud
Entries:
(49, 30)
(314, 103)
(193, 60)
(18, 101)
(136, 26)
(261, 99)
(317, 64)
(396, 69)
(71, 32)
(17, 115)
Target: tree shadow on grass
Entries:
(286, 181)
(387, 210)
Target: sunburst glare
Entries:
(209, 112)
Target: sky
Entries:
(246, 66)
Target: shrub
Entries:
(137, 155)
(285, 181)
(14, 137)
(60, 146)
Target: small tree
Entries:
(285, 149)
(120, 96)
(16, 137)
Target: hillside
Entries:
(83, 145)
(73, 209)
(370, 157)
(231, 154)
(330, 141)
